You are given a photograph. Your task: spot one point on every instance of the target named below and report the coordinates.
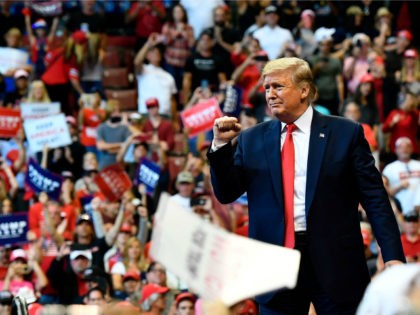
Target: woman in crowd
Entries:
(38, 93)
(132, 260)
(179, 40)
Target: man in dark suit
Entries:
(305, 174)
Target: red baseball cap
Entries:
(125, 227)
(151, 102)
(131, 275)
(411, 53)
(185, 296)
(406, 34)
(367, 78)
(150, 289)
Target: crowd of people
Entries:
(82, 248)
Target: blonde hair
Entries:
(299, 69)
(141, 263)
(31, 96)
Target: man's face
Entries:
(83, 229)
(185, 189)
(131, 286)
(404, 150)
(285, 100)
(95, 298)
(157, 275)
(271, 19)
(80, 264)
(185, 307)
(352, 112)
(219, 17)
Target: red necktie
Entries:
(288, 169)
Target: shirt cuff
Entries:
(215, 147)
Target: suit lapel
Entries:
(317, 144)
(272, 151)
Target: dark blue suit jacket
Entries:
(340, 174)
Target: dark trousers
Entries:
(308, 289)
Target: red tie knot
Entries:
(291, 127)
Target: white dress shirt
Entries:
(301, 142)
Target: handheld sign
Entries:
(201, 116)
(13, 228)
(113, 181)
(51, 131)
(10, 122)
(148, 174)
(40, 179)
(216, 264)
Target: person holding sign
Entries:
(305, 174)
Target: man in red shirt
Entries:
(411, 237)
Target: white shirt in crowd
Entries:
(273, 40)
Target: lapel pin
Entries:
(322, 135)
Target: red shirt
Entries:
(406, 127)
(59, 70)
(91, 121)
(147, 20)
(164, 130)
(410, 249)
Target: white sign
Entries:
(11, 58)
(216, 264)
(51, 131)
(38, 110)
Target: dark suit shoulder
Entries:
(337, 122)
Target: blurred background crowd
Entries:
(123, 73)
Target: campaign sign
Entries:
(113, 181)
(47, 8)
(51, 131)
(148, 173)
(231, 105)
(201, 116)
(10, 122)
(40, 179)
(38, 110)
(13, 228)
(217, 265)
(11, 58)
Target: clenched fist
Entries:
(225, 129)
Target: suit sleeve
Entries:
(375, 200)
(227, 173)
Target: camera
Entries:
(359, 43)
(198, 202)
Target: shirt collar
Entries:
(303, 122)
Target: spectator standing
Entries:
(90, 116)
(304, 34)
(200, 13)
(224, 35)
(152, 80)
(272, 37)
(403, 122)
(364, 96)
(327, 72)
(40, 42)
(147, 17)
(111, 135)
(20, 94)
(411, 237)
(403, 176)
(204, 68)
(356, 65)
(179, 41)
